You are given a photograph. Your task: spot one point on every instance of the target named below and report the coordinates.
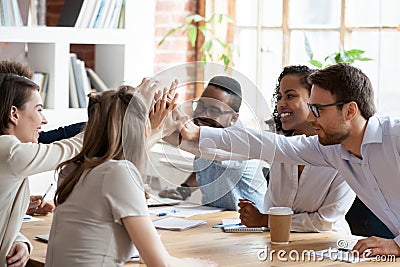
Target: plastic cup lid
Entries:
(280, 211)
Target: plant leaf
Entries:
(308, 47)
(172, 31)
(207, 46)
(194, 18)
(316, 63)
(364, 59)
(192, 34)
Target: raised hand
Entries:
(148, 89)
(161, 110)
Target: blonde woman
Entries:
(101, 211)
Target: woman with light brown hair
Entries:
(101, 206)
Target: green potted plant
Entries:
(213, 48)
(347, 56)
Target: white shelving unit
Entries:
(120, 55)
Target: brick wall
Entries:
(169, 13)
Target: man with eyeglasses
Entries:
(222, 183)
(363, 147)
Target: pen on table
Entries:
(173, 211)
(227, 225)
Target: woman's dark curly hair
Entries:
(299, 70)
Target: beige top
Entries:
(18, 161)
(87, 228)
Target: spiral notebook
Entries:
(241, 228)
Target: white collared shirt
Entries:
(375, 178)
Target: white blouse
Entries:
(320, 198)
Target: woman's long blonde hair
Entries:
(115, 130)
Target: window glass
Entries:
(246, 12)
(369, 12)
(247, 43)
(314, 13)
(323, 43)
(271, 62)
(271, 13)
(383, 48)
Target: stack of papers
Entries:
(177, 224)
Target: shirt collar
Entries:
(373, 132)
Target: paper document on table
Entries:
(29, 218)
(171, 223)
(155, 200)
(184, 210)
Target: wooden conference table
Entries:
(227, 249)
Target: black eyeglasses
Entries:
(315, 107)
(212, 112)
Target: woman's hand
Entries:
(163, 107)
(148, 88)
(18, 255)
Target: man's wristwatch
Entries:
(184, 190)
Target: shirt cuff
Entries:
(23, 239)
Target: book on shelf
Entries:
(70, 12)
(79, 80)
(121, 19)
(10, 14)
(99, 14)
(95, 81)
(42, 79)
(113, 22)
(73, 95)
(96, 13)
(85, 14)
(102, 16)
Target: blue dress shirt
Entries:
(222, 183)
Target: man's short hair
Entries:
(232, 87)
(347, 83)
